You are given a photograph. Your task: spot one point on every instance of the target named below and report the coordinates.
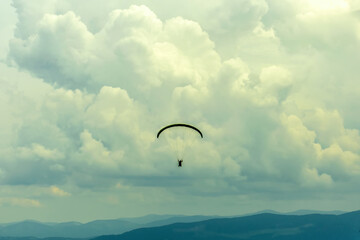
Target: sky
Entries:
(85, 85)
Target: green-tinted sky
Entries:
(86, 85)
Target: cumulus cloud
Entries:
(58, 48)
(133, 41)
(102, 92)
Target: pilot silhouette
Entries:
(180, 162)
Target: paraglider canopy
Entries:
(179, 125)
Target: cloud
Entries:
(329, 126)
(94, 154)
(313, 179)
(58, 192)
(39, 151)
(341, 164)
(255, 79)
(133, 41)
(20, 202)
(59, 48)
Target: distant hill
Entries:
(306, 212)
(34, 238)
(150, 218)
(179, 219)
(67, 230)
(297, 212)
(90, 229)
(257, 227)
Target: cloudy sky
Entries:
(86, 85)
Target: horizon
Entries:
(270, 211)
(266, 93)
(335, 212)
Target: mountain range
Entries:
(262, 226)
(90, 229)
(267, 224)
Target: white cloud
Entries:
(329, 126)
(93, 153)
(134, 43)
(311, 178)
(59, 47)
(257, 79)
(40, 151)
(339, 163)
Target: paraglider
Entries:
(179, 137)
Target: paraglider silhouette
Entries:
(179, 136)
